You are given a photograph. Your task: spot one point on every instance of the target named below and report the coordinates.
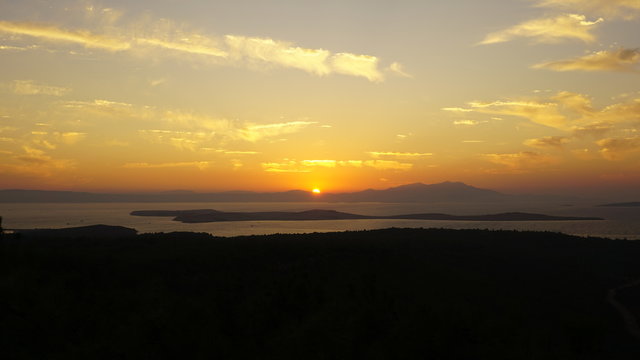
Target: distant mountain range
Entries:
(418, 192)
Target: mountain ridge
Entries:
(448, 191)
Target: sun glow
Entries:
(316, 191)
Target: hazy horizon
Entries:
(532, 96)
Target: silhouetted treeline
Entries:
(383, 294)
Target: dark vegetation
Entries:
(209, 215)
(384, 294)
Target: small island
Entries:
(209, 215)
(624, 204)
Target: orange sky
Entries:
(525, 96)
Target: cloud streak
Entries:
(30, 87)
(619, 148)
(614, 8)
(202, 165)
(548, 30)
(54, 33)
(307, 166)
(622, 60)
(399, 155)
(565, 111)
(228, 50)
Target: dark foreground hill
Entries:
(384, 294)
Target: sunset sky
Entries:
(513, 95)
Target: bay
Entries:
(618, 223)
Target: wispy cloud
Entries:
(397, 68)
(619, 148)
(468, 122)
(231, 50)
(357, 65)
(548, 30)
(565, 111)
(400, 155)
(540, 112)
(54, 33)
(194, 164)
(279, 53)
(522, 162)
(457, 109)
(623, 60)
(306, 166)
(388, 165)
(616, 8)
(548, 142)
(257, 132)
(284, 167)
(70, 138)
(36, 162)
(187, 46)
(30, 87)
(319, 163)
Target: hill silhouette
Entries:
(383, 294)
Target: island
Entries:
(209, 215)
(624, 204)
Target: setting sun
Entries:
(316, 191)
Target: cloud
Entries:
(564, 111)
(182, 129)
(279, 53)
(468, 122)
(618, 148)
(29, 87)
(544, 113)
(622, 60)
(319, 163)
(284, 167)
(548, 30)
(143, 165)
(186, 46)
(595, 130)
(237, 152)
(457, 109)
(37, 162)
(553, 142)
(357, 65)
(254, 133)
(70, 138)
(521, 162)
(53, 33)
(388, 165)
(400, 155)
(306, 166)
(397, 68)
(182, 140)
(615, 8)
(16, 48)
(110, 35)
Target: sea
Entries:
(618, 223)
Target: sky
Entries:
(522, 96)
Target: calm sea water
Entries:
(619, 223)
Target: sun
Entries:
(316, 191)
